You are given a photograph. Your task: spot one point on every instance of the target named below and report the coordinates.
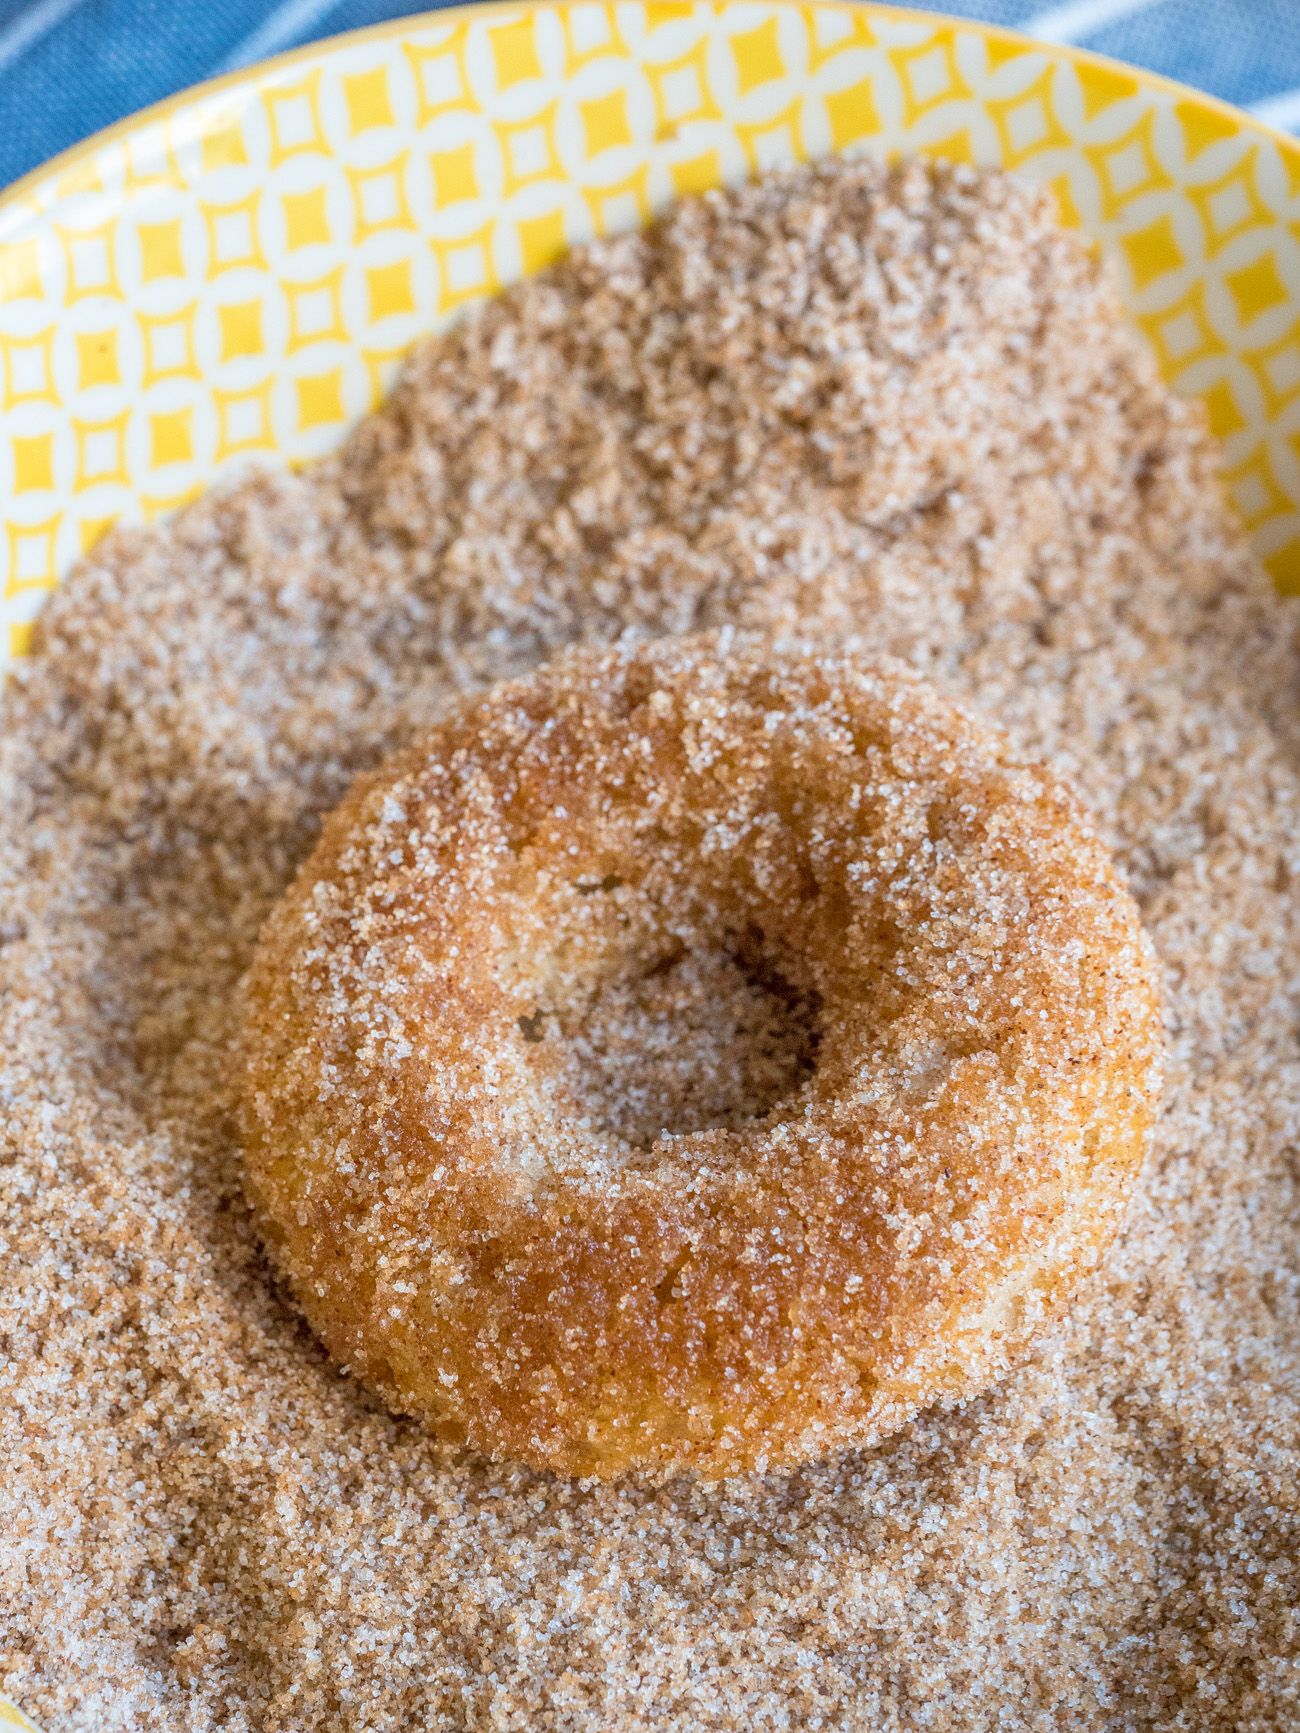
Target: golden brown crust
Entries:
(479, 1230)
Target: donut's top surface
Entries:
(682, 1057)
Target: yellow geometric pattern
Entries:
(12, 1716)
(234, 277)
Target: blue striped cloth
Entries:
(69, 67)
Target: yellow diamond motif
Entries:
(1182, 334)
(160, 250)
(148, 163)
(696, 174)
(682, 91)
(1221, 406)
(1027, 123)
(605, 122)
(97, 359)
(1001, 54)
(31, 557)
(101, 450)
(1102, 86)
(465, 269)
(379, 198)
(1231, 205)
(316, 311)
(621, 204)
(1128, 167)
(773, 142)
(852, 113)
(171, 437)
(390, 291)
(1067, 210)
(168, 348)
(1283, 567)
(92, 262)
(758, 57)
(589, 32)
(232, 235)
(1277, 369)
(1254, 489)
(320, 399)
(956, 147)
(33, 462)
(929, 75)
(1203, 126)
(224, 146)
(306, 222)
(1257, 288)
(20, 269)
(83, 177)
(439, 73)
(244, 420)
(241, 329)
(515, 53)
(295, 119)
(454, 175)
(528, 151)
(1151, 252)
(382, 366)
(92, 530)
(366, 95)
(541, 240)
(28, 369)
(830, 33)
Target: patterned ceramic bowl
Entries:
(232, 277)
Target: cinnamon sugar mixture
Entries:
(890, 405)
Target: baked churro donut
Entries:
(688, 1058)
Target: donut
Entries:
(696, 1056)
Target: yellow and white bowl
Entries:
(233, 276)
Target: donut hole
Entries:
(698, 1037)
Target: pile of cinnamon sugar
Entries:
(892, 406)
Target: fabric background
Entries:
(70, 67)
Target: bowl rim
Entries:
(19, 192)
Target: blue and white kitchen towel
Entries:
(70, 67)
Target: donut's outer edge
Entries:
(735, 1301)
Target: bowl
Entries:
(232, 277)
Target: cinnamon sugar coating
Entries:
(449, 1189)
(202, 1524)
